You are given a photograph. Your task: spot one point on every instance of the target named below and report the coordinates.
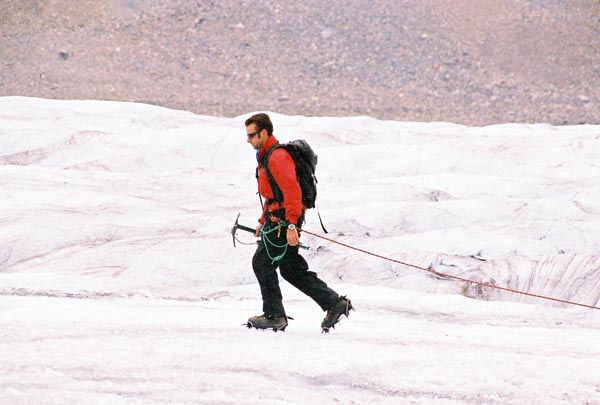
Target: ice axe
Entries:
(237, 226)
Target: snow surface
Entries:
(119, 283)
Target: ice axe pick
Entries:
(237, 226)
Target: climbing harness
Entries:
(265, 238)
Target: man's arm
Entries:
(283, 170)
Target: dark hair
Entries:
(262, 121)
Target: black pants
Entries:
(293, 268)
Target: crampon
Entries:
(341, 308)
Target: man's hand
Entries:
(292, 237)
(258, 228)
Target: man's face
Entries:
(255, 138)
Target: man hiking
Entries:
(279, 228)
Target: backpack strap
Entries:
(321, 221)
(265, 165)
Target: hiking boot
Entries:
(277, 323)
(341, 308)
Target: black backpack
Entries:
(305, 160)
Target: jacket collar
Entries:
(270, 142)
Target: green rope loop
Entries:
(268, 242)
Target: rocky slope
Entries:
(466, 61)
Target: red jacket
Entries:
(283, 170)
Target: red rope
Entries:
(451, 276)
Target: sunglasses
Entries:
(252, 135)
